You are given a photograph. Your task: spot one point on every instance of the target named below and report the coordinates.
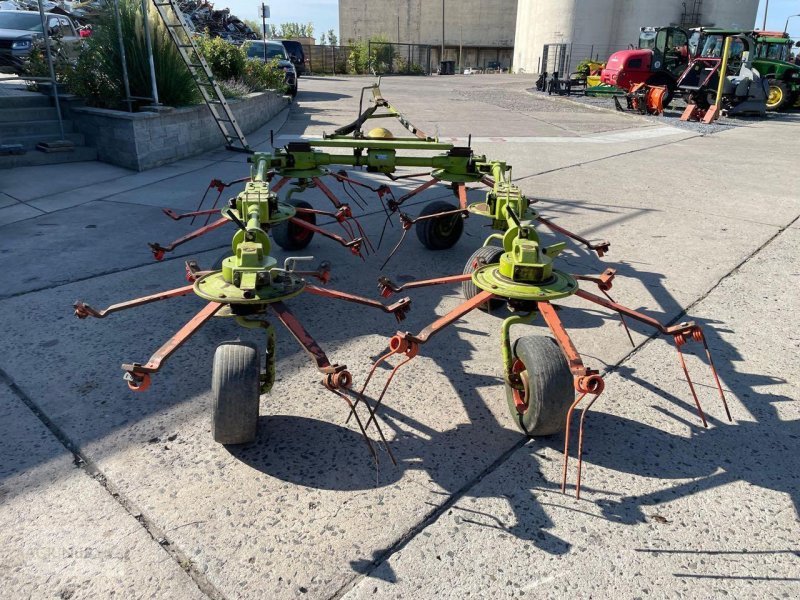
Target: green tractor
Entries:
(773, 52)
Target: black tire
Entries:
(779, 95)
(293, 91)
(236, 388)
(486, 255)
(549, 388)
(217, 266)
(440, 233)
(293, 237)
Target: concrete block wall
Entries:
(144, 140)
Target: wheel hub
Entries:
(775, 96)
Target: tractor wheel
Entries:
(236, 388)
(779, 95)
(439, 233)
(294, 237)
(487, 255)
(541, 409)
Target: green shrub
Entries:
(234, 88)
(226, 60)
(238, 74)
(97, 76)
(35, 64)
(260, 76)
(377, 54)
(358, 59)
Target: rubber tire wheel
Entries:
(441, 233)
(293, 91)
(486, 255)
(786, 95)
(236, 388)
(293, 237)
(549, 386)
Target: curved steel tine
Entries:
(714, 373)
(391, 254)
(360, 424)
(386, 385)
(567, 425)
(621, 318)
(369, 377)
(700, 412)
(580, 445)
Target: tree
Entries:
(333, 39)
(323, 40)
(254, 25)
(293, 30)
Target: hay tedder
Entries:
(545, 378)
(249, 287)
(305, 164)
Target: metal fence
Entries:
(564, 58)
(384, 58)
(388, 58)
(327, 60)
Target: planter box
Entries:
(145, 140)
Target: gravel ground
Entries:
(532, 101)
(671, 115)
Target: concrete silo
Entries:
(576, 29)
(478, 31)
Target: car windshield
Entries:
(24, 21)
(256, 50)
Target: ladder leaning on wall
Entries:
(175, 23)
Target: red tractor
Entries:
(661, 58)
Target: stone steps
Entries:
(29, 119)
(33, 113)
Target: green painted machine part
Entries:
(525, 271)
(505, 346)
(301, 160)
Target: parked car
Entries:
(255, 49)
(19, 29)
(296, 54)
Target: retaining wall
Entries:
(145, 140)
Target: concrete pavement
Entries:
(472, 509)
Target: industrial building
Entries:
(476, 32)
(529, 35)
(556, 34)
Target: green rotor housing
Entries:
(525, 270)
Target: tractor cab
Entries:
(661, 56)
(743, 89)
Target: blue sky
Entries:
(324, 14)
(778, 11)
